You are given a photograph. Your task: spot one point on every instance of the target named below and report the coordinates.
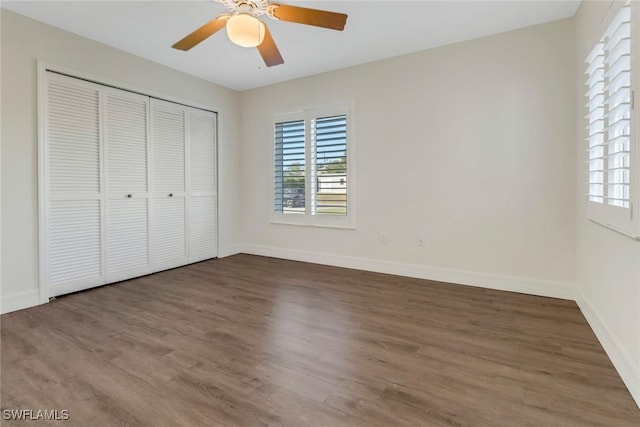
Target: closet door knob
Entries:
(170, 194)
(129, 195)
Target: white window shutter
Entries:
(329, 150)
(312, 168)
(596, 124)
(290, 167)
(611, 142)
(617, 77)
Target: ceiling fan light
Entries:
(245, 30)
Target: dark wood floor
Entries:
(251, 341)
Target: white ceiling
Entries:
(374, 30)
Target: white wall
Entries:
(608, 263)
(477, 137)
(24, 41)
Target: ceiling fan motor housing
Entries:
(254, 7)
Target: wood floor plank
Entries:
(254, 341)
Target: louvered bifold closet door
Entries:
(202, 185)
(73, 257)
(127, 184)
(169, 207)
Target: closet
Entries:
(128, 185)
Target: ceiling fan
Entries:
(246, 30)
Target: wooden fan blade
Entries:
(269, 51)
(317, 18)
(202, 33)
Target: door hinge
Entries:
(633, 99)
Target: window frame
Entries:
(307, 218)
(623, 220)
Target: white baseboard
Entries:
(229, 250)
(524, 285)
(624, 364)
(19, 301)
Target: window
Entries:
(611, 138)
(312, 168)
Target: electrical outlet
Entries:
(420, 241)
(383, 238)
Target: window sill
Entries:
(617, 230)
(615, 219)
(343, 223)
